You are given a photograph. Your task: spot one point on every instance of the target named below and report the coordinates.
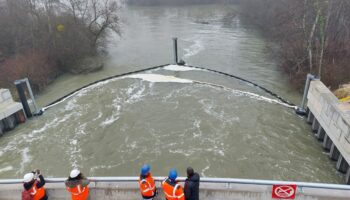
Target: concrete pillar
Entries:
(2, 128)
(320, 133)
(334, 153)
(342, 165)
(23, 98)
(327, 143)
(310, 117)
(10, 122)
(347, 177)
(20, 117)
(315, 125)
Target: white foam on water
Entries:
(146, 77)
(242, 158)
(98, 116)
(115, 117)
(74, 142)
(204, 170)
(158, 78)
(5, 169)
(109, 121)
(209, 107)
(197, 125)
(71, 105)
(25, 158)
(179, 68)
(82, 92)
(180, 151)
(38, 134)
(248, 94)
(194, 49)
(74, 149)
(135, 94)
(93, 169)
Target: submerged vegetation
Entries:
(41, 39)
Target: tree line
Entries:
(314, 36)
(175, 2)
(40, 39)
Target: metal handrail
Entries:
(203, 180)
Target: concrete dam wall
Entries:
(330, 121)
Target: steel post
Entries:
(301, 109)
(175, 51)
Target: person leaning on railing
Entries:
(34, 186)
(171, 187)
(146, 182)
(77, 185)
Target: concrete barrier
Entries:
(332, 118)
(8, 111)
(126, 188)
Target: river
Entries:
(173, 117)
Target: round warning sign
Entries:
(284, 191)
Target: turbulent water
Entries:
(173, 117)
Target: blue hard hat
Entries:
(145, 169)
(172, 174)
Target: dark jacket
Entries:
(39, 184)
(71, 183)
(192, 187)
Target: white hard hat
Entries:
(74, 173)
(28, 177)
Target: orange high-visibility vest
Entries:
(79, 192)
(36, 192)
(147, 186)
(173, 192)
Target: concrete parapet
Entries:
(128, 190)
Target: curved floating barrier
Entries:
(65, 97)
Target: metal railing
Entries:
(203, 180)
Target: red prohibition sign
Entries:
(284, 191)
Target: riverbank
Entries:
(312, 37)
(42, 44)
(40, 72)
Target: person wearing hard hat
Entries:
(77, 185)
(171, 188)
(33, 184)
(146, 182)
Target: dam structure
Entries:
(11, 112)
(330, 121)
